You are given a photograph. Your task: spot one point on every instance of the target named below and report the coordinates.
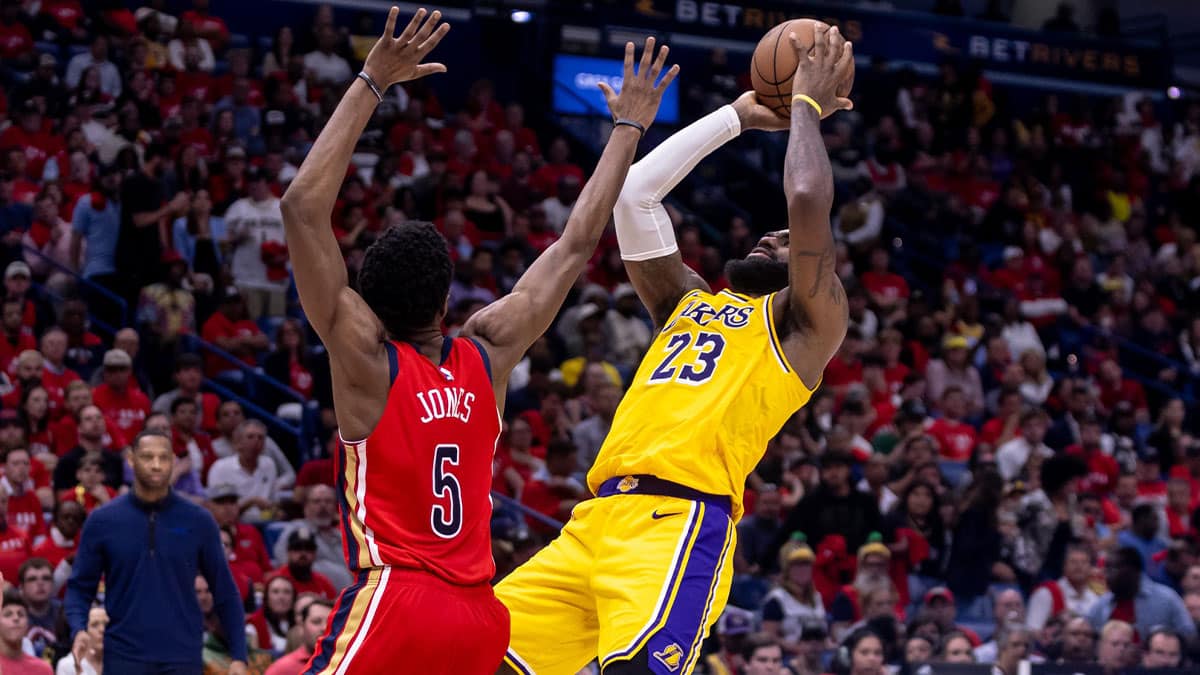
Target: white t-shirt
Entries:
(261, 222)
(328, 67)
(259, 483)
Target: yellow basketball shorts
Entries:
(636, 576)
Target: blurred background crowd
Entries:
(1002, 463)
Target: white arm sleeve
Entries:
(644, 230)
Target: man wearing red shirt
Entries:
(249, 554)
(24, 509)
(186, 439)
(38, 144)
(189, 375)
(845, 368)
(955, 438)
(1004, 426)
(1012, 276)
(887, 290)
(1114, 388)
(55, 373)
(1151, 487)
(230, 329)
(65, 431)
(545, 180)
(17, 337)
(14, 545)
(312, 623)
(1103, 470)
(552, 491)
(301, 553)
(63, 539)
(118, 396)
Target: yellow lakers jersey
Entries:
(711, 392)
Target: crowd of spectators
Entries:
(1001, 464)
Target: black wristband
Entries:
(371, 83)
(630, 123)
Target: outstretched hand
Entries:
(639, 97)
(398, 59)
(826, 72)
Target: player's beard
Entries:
(756, 275)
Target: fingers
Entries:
(411, 29)
(430, 68)
(427, 28)
(629, 50)
(801, 52)
(820, 45)
(667, 79)
(434, 39)
(845, 69)
(844, 103)
(389, 27)
(609, 94)
(647, 54)
(659, 62)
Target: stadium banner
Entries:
(917, 38)
(576, 91)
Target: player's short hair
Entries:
(405, 277)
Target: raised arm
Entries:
(814, 318)
(644, 230)
(339, 315)
(509, 326)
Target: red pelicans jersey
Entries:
(415, 493)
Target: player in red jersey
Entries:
(418, 413)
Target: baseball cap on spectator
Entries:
(255, 173)
(955, 342)
(911, 411)
(938, 593)
(802, 553)
(235, 152)
(302, 540)
(9, 417)
(17, 269)
(1148, 454)
(735, 621)
(223, 491)
(117, 358)
(874, 546)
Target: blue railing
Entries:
(525, 510)
(90, 285)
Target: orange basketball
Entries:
(774, 63)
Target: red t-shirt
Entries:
(15, 40)
(955, 440)
(839, 372)
(65, 435)
(250, 552)
(1103, 470)
(54, 553)
(317, 584)
(56, 387)
(545, 180)
(25, 513)
(890, 286)
(203, 443)
(316, 472)
(38, 147)
(127, 409)
(1127, 390)
(544, 499)
(84, 497)
(219, 327)
(14, 550)
(10, 349)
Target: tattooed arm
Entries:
(813, 314)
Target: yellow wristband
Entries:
(809, 100)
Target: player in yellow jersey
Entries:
(640, 573)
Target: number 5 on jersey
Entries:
(708, 348)
(446, 520)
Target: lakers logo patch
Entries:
(627, 483)
(671, 656)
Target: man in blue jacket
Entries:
(149, 545)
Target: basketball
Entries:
(774, 63)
